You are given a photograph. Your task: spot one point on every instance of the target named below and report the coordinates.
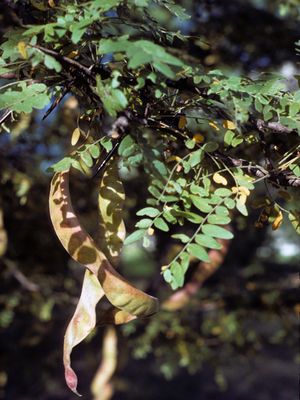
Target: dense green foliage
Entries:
(216, 149)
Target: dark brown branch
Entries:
(20, 277)
(8, 75)
(119, 127)
(58, 99)
(66, 60)
(253, 170)
(276, 127)
(281, 178)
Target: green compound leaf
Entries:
(114, 100)
(142, 52)
(26, 98)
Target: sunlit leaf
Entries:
(22, 47)
(277, 221)
(218, 178)
(227, 124)
(75, 136)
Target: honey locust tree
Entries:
(207, 143)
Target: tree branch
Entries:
(281, 178)
(119, 127)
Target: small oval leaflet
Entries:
(216, 231)
(75, 136)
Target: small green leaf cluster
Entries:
(25, 97)
(84, 157)
(113, 99)
(191, 198)
(265, 96)
(141, 52)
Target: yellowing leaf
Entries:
(182, 122)
(39, 5)
(218, 178)
(22, 47)
(277, 221)
(150, 231)
(241, 190)
(75, 136)
(198, 138)
(73, 54)
(244, 190)
(173, 158)
(242, 198)
(214, 125)
(229, 124)
(51, 3)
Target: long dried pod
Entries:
(129, 301)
